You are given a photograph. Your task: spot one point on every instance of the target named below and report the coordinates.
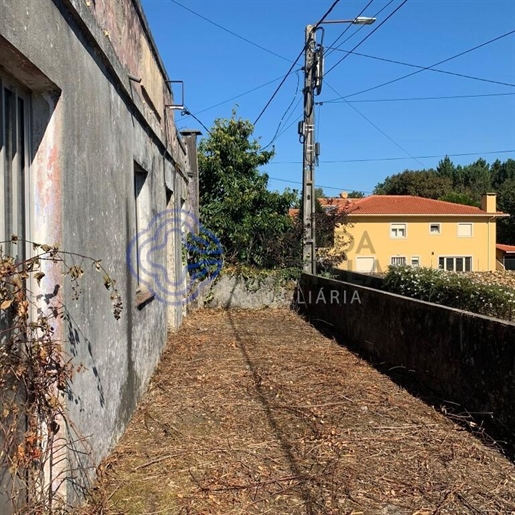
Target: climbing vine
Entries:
(35, 374)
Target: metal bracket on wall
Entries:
(181, 105)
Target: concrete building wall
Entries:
(91, 125)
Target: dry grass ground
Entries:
(257, 412)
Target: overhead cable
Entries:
(378, 159)
(293, 64)
(332, 48)
(432, 69)
(339, 100)
(433, 65)
(230, 31)
(379, 129)
(367, 36)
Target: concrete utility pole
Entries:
(307, 133)
(313, 76)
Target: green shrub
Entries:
(452, 289)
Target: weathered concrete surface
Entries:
(467, 358)
(90, 123)
(240, 292)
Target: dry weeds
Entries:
(499, 277)
(257, 412)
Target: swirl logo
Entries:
(200, 254)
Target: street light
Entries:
(313, 75)
(360, 20)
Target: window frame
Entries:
(398, 224)
(143, 215)
(437, 224)
(398, 264)
(418, 261)
(374, 264)
(19, 169)
(461, 224)
(455, 258)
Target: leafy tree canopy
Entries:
(426, 183)
(506, 203)
(319, 193)
(234, 200)
(356, 194)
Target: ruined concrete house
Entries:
(89, 153)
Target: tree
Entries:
(459, 198)
(426, 183)
(235, 203)
(356, 194)
(446, 168)
(502, 172)
(319, 193)
(506, 203)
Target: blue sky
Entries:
(355, 138)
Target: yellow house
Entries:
(385, 230)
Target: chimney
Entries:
(489, 202)
(344, 194)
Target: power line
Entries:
(292, 123)
(369, 160)
(186, 112)
(278, 87)
(242, 94)
(328, 12)
(317, 185)
(293, 64)
(229, 31)
(350, 25)
(425, 68)
(251, 43)
(379, 129)
(407, 99)
(366, 37)
(432, 66)
(361, 27)
(285, 113)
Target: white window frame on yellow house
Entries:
(413, 258)
(374, 264)
(438, 232)
(398, 264)
(396, 227)
(461, 224)
(454, 258)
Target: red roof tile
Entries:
(509, 249)
(403, 205)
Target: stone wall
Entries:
(464, 357)
(236, 291)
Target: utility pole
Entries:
(313, 77)
(313, 74)
(307, 133)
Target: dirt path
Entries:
(257, 412)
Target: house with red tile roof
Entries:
(384, 230)
(506, 256)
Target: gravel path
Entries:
(257, 412)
